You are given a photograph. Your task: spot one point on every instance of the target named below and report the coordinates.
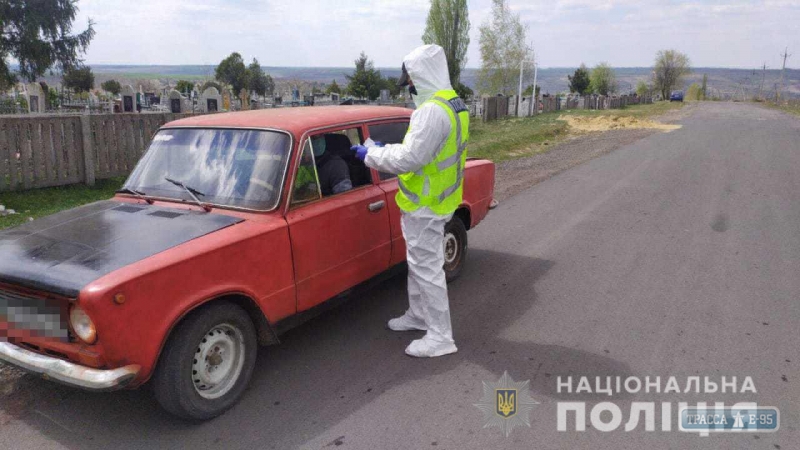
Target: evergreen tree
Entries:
(38, 35)
(333, 88)
(365, 82)
(579, 82)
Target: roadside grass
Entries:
(500, 140)
(638, 111)
(42, 202)
(513, 137)
(792, 107)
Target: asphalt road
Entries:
(677, 255)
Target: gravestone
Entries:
(335, 98)
(244, 99)
(35, 98)
(176, 103)
(226, 100)
(210, 100)
(384, 95)
(128, 99)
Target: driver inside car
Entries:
(334, 174)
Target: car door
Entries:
(391, 132)
(339, 240)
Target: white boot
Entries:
(407, 322)
(429, 347)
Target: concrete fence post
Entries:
(88, 149)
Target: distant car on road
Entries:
(676, 96)
(220, 239)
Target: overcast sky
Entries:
(623, 33)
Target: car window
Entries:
(228, 167)
(388, 133)
(306, 185)
(338, 169)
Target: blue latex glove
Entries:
(361, 151)
(378, 144)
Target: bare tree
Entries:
(502, 50)
(671, 67)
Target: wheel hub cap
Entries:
(218, 361)
(450, 248)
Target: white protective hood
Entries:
(427, 67)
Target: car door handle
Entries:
(377, 206)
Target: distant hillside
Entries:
(721, 81)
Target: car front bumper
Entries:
(66, 372)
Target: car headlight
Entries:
(82, 325)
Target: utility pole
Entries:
(783, 70)
(763, 77)
(535, 98)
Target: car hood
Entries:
(64, 252)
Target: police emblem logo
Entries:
(506, 404)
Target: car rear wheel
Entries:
(207, 362)
(455, 247)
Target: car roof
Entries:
(296, 120)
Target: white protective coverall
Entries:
(423, 229)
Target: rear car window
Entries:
(388, 133)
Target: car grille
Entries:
(40, 317)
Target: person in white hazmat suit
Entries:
(430, 165)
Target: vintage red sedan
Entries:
(211, 248)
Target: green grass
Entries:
(792, 107)
(639, 111)
(510, 138)
(41, 202)
(513, 137)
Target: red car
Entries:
(213, 246)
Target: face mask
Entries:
(319, 146)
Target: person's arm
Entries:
(430, 126)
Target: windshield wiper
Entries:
(193, 192)
(139, 194)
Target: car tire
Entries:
(455, 247)
(201, 388)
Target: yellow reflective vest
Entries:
(439, 184)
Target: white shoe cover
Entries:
(407, 323)
(428, 347)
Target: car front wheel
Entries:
(455, 248)
(207, 362)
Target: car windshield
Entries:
(239, 168)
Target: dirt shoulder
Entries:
(516, 175)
